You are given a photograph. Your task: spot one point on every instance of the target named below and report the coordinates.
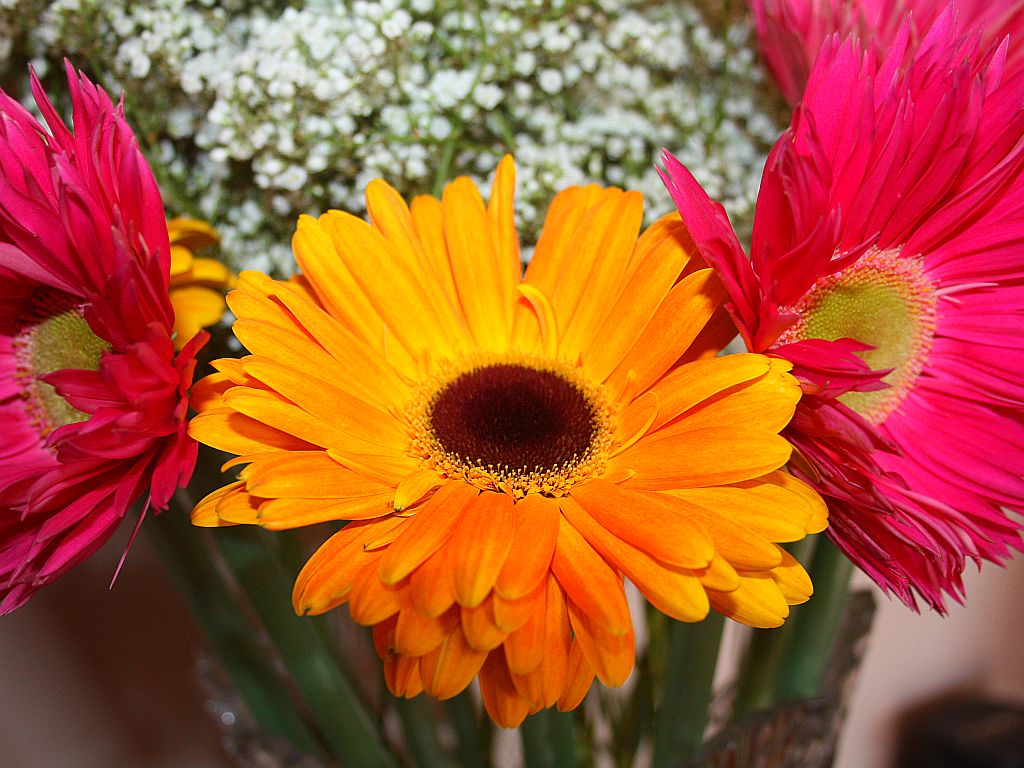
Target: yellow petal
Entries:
(676, 323)
(306, 475)
(703, 457)
(205, 513)
(481, 275)
(689, 385)
(757, 602)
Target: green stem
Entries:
(762, 662)
(686, 696)
(815, 625)
(549, 740)
(463, 717)
(228, 631)
(420, 727)
(335, 706)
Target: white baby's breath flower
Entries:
(264, 110)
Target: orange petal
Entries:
(285, 514)
(578, 680)
(532, 547)
(655, 523)
(524, 648)
(510, 615)
(227, 430)
(611, 656)
(326, 579)
(415, 488)
(758, 602)
(429, 223)
(306, 474)
(325, 401)
(478, 547)
(479, 627)
(334, 285)
(502, 700)
(662, 253)
(689, 385)
(590, 285)
(675, 592)
(416, 634)
(501, 212)
(449, 668)
(430, 586)
(428, 530)
(400, 291)
(792, 580)
(589, 581)
(764, 403)
(371, 600)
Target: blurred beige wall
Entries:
(911, 658)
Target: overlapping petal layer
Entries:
(617, 445)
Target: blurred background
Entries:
(94, 677)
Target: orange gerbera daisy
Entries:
(508, 448)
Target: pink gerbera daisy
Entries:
(888, 266)
(92, 395)
(790, 32)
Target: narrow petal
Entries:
(479, 546)
(589, 581)
(428, 530)
(536, 522)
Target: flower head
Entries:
(886, 266)
(93, 396)
(507, 447)
(791, 32)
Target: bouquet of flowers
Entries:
(507, 441)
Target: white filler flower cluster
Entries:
(256, 112)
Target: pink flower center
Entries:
(884, 300)
(54, 336)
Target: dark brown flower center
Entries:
(515, 417)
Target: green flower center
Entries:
(882, 300)
(54, 337)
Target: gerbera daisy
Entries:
(791, 32)
(886, 265)
(508, 448)
(92, 395)
(198, 279)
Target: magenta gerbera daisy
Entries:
(790, 32)
(92, 395)
(888, 265)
